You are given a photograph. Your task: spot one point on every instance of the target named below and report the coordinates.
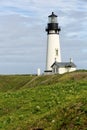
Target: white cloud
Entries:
(23, 36)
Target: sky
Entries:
(23, 38)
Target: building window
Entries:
(55, 70)
(56, 51)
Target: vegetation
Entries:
(55, 102)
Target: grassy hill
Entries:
(55, 102)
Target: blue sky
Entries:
(23, 38)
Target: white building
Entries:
(53, 55)
(63, 67)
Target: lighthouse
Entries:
(54, 65)
(53, 44)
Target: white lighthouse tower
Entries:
(53, 44)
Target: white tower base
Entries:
(53, 50)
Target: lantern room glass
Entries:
(52, 19)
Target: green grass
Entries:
(55, 102)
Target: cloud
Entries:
(23, 36)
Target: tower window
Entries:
(56, 51)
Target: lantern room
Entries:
(52, 18)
